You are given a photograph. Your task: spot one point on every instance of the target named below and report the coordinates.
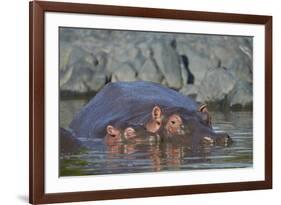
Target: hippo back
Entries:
(125, 102)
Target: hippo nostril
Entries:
(208, 140)
(227, 140)
(223, 139)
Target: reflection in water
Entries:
(155, 156)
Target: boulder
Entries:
(242, 95)
(149, 72)
(81, 71)
(241, 70)
(124, 53)
(65, 50)
(198, 63)
(216, 85)
(89, 58)
(92, 83)
(97, 81)
(190, 90)
(184, 75)
(168, 62)
(81, 78)
(124, 73)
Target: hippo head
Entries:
(170, 124)
(124, 130)
(193, 127)
(117, 133)
(130, 133)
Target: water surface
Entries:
(150, 157)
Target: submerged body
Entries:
(129, 102)
(142, 110)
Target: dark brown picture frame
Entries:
(37, 11)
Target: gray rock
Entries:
(139, 60)
(99, 60)
(65, 51)
(241, 95)
(184, 74)
(112, 66)
(124, 53)
(190, 90)
(81, 78)
(77, 54)
(97, 81)
(149, 72)
(124, 73)
(168, 62)
(215, 62)
(145, 49)
(198, 63)
(241, 70)
(91, 57)
(216, 85)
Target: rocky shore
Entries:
(211, 69)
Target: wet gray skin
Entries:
(130, 104)
(141, 134)
(195, 130)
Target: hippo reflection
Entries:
(145, 111)
(159, 155)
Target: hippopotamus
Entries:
(129, 111)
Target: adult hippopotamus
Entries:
(145, 110)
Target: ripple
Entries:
(150, 158)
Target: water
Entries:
(150, 157)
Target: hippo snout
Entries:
(223, 139)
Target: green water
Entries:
(150, 157)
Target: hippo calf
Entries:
(136, 111)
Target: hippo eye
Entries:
(173, 122)
(158, 123)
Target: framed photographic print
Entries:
(139, 102)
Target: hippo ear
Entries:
(156, 112)
(205, 114)
(112, 131)
(203, 108)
